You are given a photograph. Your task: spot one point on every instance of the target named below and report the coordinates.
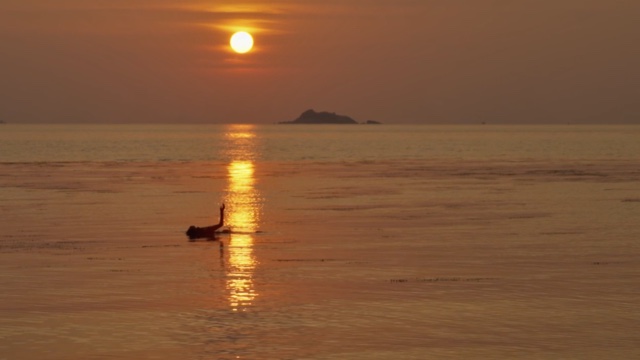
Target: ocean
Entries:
(342, 242)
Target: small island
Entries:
(312, 117)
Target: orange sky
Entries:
(400, 61)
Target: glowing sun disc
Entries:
(241, 42)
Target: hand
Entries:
(222, 206)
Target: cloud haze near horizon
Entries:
(428, 61)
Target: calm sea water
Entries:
(346, 242)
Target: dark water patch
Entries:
(484, 175)
(79, 188)
(30, 243)
(528, 216)
(352, 208)
(19, 236)
(267, 242)
(348, 191)
(53, 164)
(306, 260)
(124, 270)
(323, 197)
(631, 200)
(160, 246)
(442, 279)
(345, 208)
(105, 191)
(205, 240)
(551, 233)
(208, 176)
(565, 172)
(357, 262)
(330, 208)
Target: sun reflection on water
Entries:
(243, 216)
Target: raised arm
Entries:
(221, 222)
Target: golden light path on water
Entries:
(243, 216)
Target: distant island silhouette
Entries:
(312, 117)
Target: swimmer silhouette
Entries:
(195, 232)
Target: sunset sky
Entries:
(396, 61)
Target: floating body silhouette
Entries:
(208, 232)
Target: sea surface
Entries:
(343, 242)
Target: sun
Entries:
(241, 42)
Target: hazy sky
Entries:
(397, 61)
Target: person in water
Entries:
(195, 232)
